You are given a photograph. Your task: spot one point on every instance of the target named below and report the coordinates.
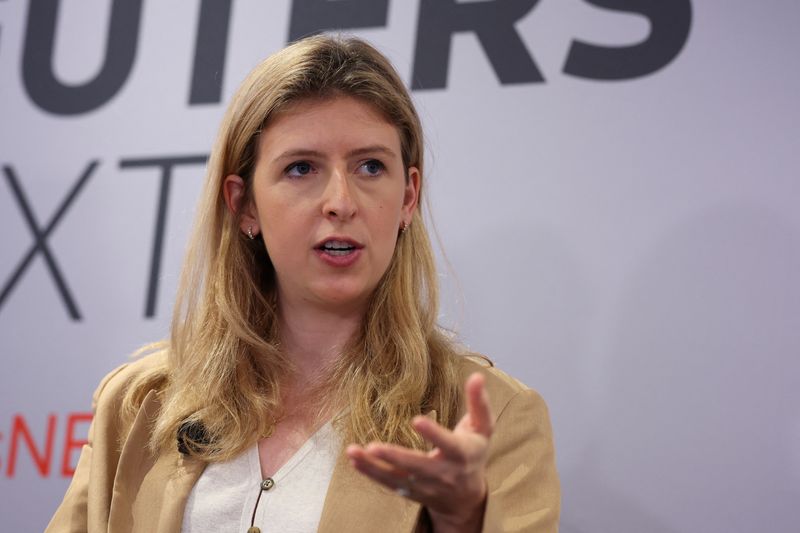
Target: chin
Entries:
(343, 296)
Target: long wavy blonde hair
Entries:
(221, 382)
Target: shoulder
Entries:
(88, 500)
(504, 390)
(111, 391)
(116, 402)
(524, 489)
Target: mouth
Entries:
(338, 247)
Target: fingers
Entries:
(391, 472)
(448, 443)
(451, 477)
(477, 420)
(391, 457)
(419, 464)
(367, 463)
(478, 405)
(442, 485)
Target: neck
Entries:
(314, 337)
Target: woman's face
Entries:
(329, 196)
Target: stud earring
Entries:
(250, 233)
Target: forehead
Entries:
(328, 125)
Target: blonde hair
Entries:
(221, 386)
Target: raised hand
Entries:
(449, 480)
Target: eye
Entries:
(298, 169)
(372, 167)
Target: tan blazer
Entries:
(120, 489)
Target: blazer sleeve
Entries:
(94, 475)
(524, 491)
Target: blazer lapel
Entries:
(355, 503)
(150, 492)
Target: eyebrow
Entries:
(371, 149)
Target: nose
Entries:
(338, 201)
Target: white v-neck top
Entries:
(224, 497)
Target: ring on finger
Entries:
(404, 489)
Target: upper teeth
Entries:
(337, 245)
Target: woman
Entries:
(305, 385)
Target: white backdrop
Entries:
(628, 247)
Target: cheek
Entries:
(384, 226)
(383, 214)
(274, 209)
(282, 226)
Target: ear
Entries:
(233, 191)
(410, 195)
